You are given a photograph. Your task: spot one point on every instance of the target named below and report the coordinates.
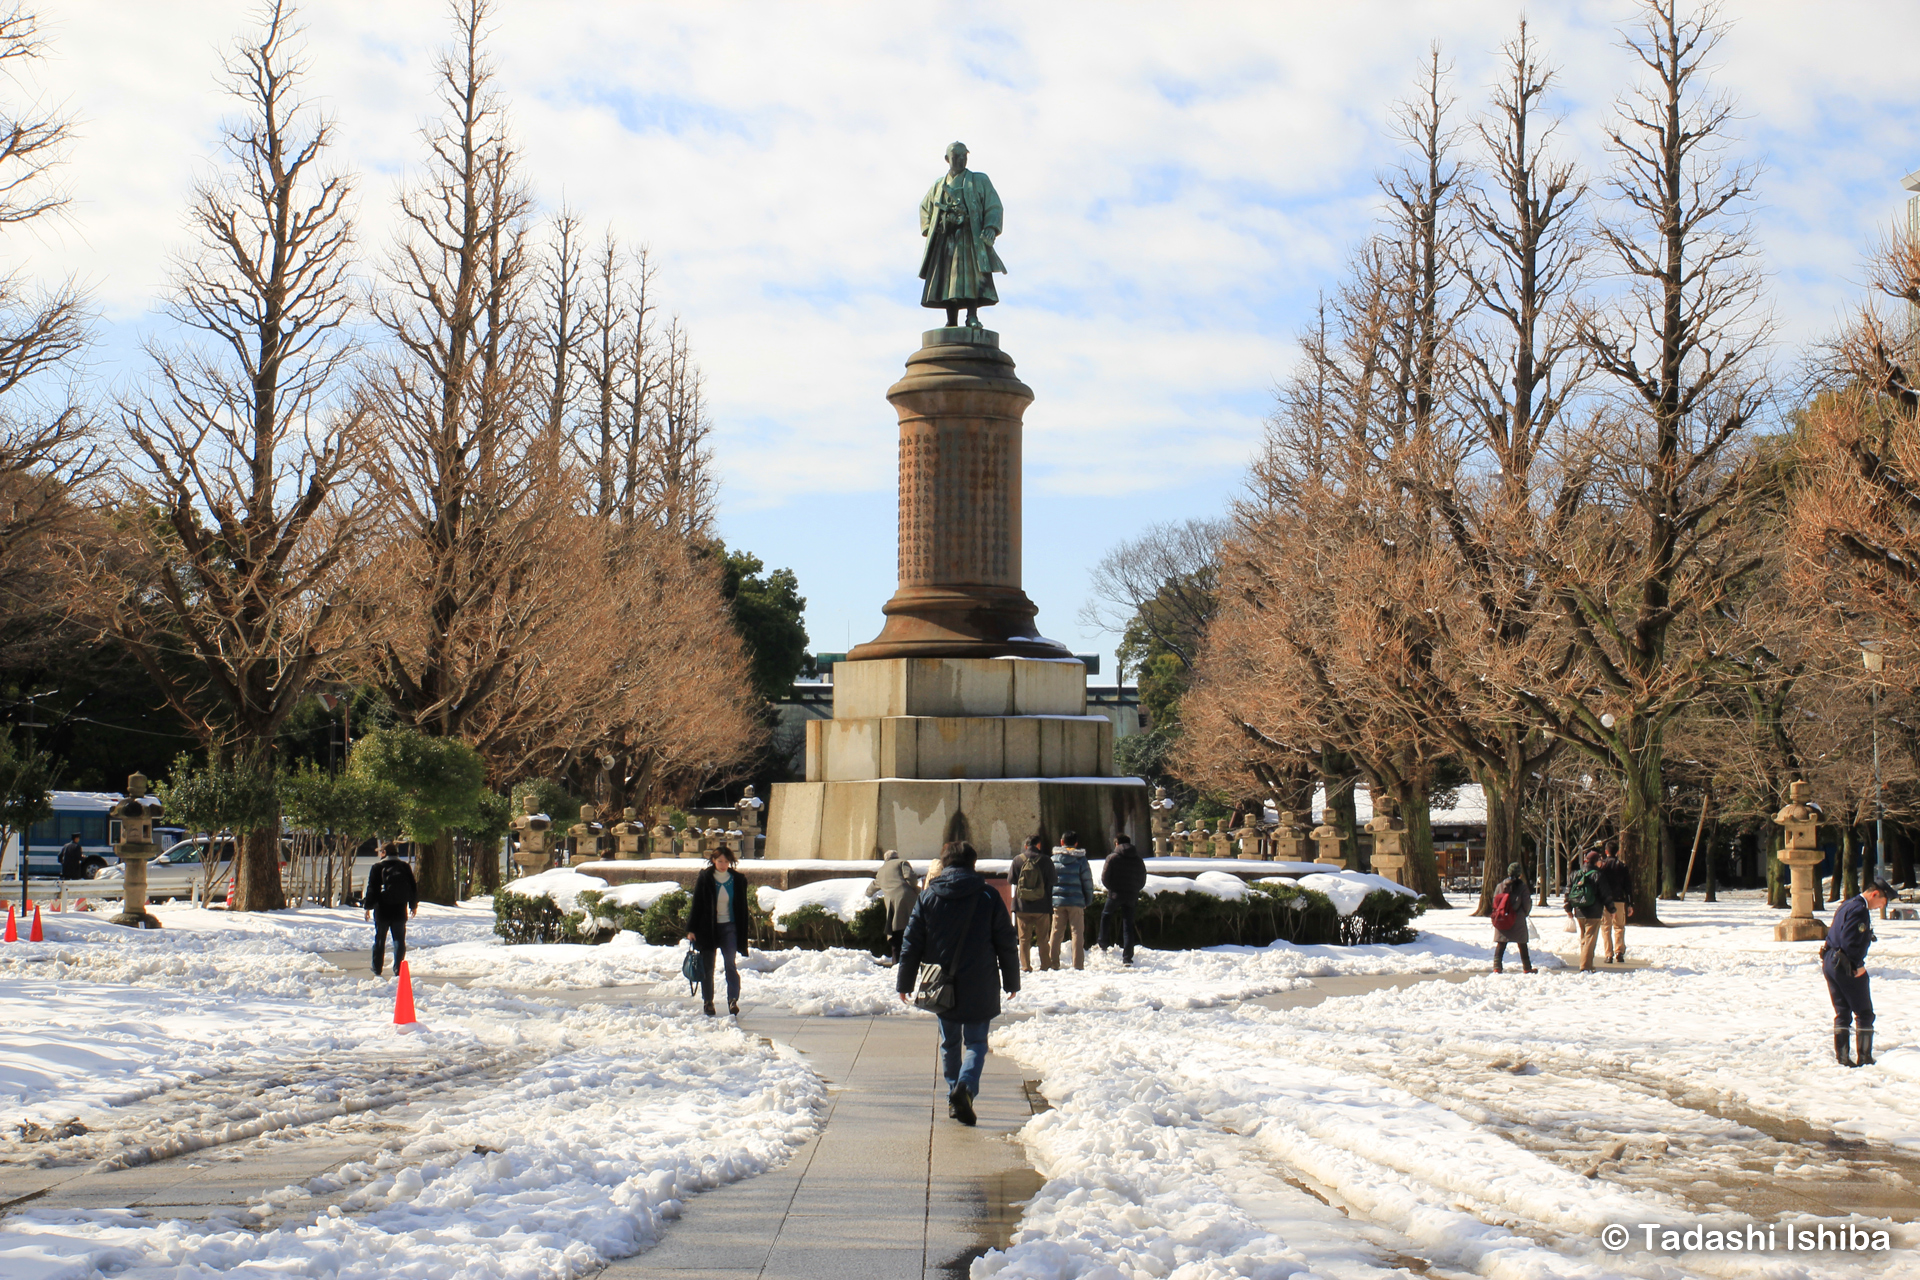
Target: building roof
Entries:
(1469, 808)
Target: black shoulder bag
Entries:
(933, 986)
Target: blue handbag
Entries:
(692, 970)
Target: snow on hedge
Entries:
(638, 895)
(839, 898)
(560, 886)
(1348, 889)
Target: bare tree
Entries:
(46, 448)
(1480, 615)
(236, 521)
(1159, 587)
(467, 474)
(1645, 542)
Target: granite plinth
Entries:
(956, 747)
(862, 820)
(958, 687)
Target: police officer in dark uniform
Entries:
(1844, 961)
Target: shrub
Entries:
(524, 919)
(1383, 917)
(665, 922)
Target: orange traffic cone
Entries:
(36, 935)
(403, 999)
(13, 931)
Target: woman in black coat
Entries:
(719, 920)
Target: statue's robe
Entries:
(959, 263)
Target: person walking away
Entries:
(962, 924)
(717, 921)
(899, 889)
(73, 860)
(1586, 905)
(1031, 875)
(1616, 891)
(1123, 877)
(1072, 895)
(1843, 959)
(1512, 901)
(390, 897)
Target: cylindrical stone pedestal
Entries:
(133, 907)
(1801, 925)
(959, 593)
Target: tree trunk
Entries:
(1776, 881)
(436, 871)
(256, 872)
(1709, 895)
(1640, 831)
(1423, 869)
(486, 866)
(1899, 856)
(1849, 865)
(1504, 802)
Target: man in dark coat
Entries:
(1123, 877)
(73, 859)
(1843, 959)
(899, 889)
(390, 897)
(1032, 868)
(1616, 890)
(962, 924)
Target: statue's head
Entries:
(957, 154)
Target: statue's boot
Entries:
(1864, 1038)
(1840, 1047)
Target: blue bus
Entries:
(87, 812)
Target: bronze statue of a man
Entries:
(960, 218)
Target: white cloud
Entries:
(1179, 181)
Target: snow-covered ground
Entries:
(1493, 1126)
(1490, 1126)
(556, 1138)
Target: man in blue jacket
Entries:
(962, 924)
(1844, 961)
(1072, 895)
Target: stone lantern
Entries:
(135, 849)
(1802, 855)
(1160, 813)
(1327, 837)
(1249, 838)
(629, 836)
(583, 837)
(1389, 841)
(749, 807)
(1290, 838)
(1177, 841)
(1222, 842)
(534, 829)
(660, 840)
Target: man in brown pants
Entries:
(1587, 907)
(1030, 875)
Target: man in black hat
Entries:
(73, 859)
(1844, 960)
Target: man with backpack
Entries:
(390, 896)
(1031, 875)
(1586, 906)
(1123, 876)
(1616, 893)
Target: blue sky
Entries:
(1180, 183)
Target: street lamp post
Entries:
(1874, 662)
